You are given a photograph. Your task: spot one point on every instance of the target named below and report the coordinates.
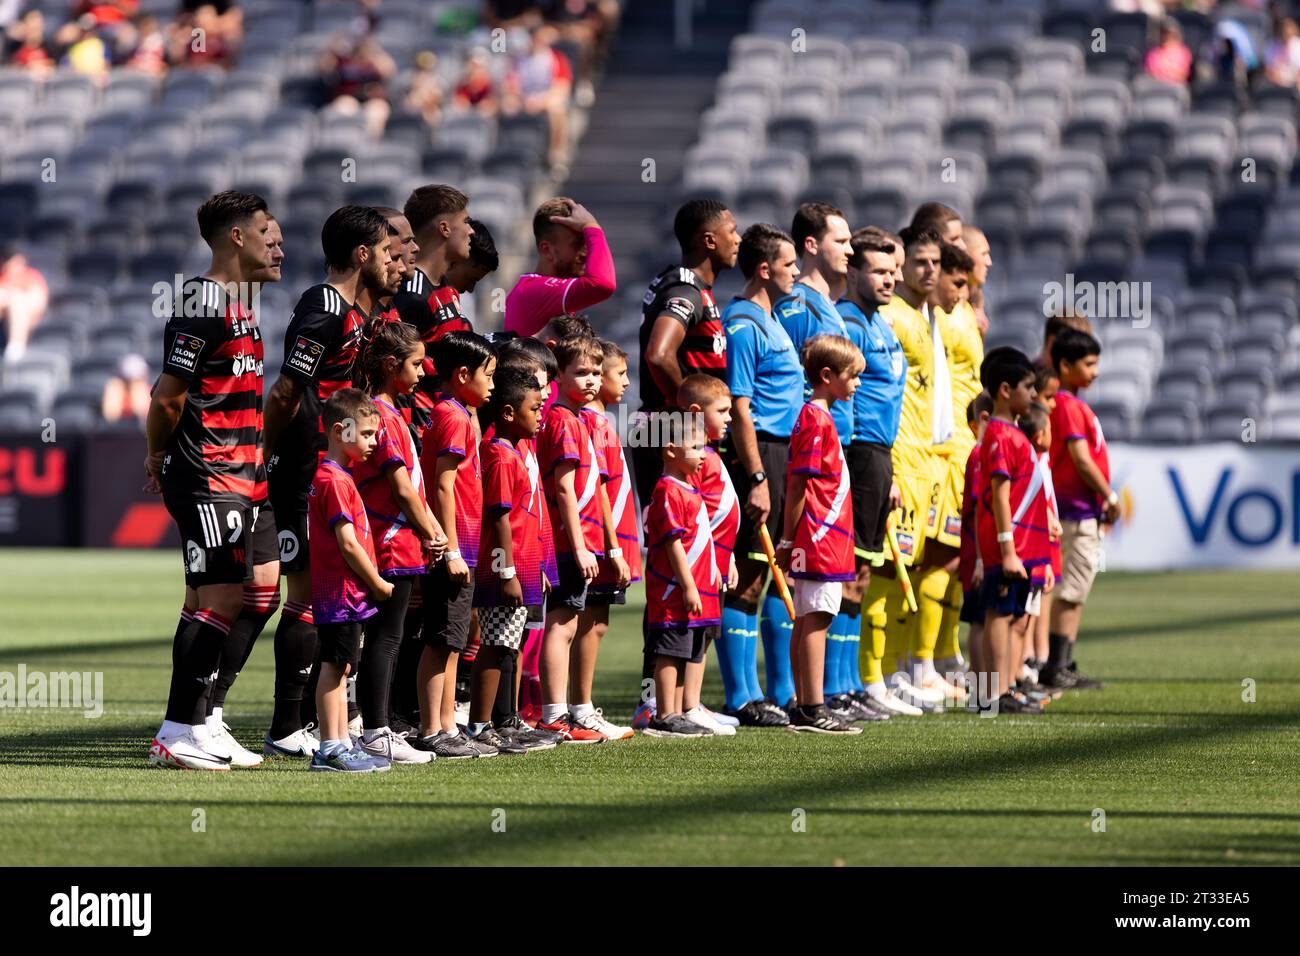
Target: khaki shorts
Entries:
(1080, 558)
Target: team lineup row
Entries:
(440, 503)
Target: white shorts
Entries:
(816, 596)
(1034, 603)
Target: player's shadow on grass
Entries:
(1181, 625)
(27, 653)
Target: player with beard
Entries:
(202, 432)
(321, 347)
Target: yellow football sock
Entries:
(931, 587)
(950, 626)
(874, 618)
(897, 621)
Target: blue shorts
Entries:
(1004, 596)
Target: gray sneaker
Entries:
(489, 736)
(393, 747)
(480, 747)
(448, 747)
(514, 728)
(676, 725)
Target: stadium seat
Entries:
(1157, 100)
(877, 58)
(886, 207)
(1090, 135)
(1047, 98)
(1143, 173)
(1186, 382)
(1171, 420)
(1227, 420)
(1279, 101)
(20, 409)
(934, 58)
(1118, 418)
(997, 59)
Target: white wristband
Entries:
(451, 556)
(1005, 536)
(784, 543)
(614, 553)
(505, 574)
(1113, 497)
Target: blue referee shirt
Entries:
(804, 313)
(878, 401)
(763, 366)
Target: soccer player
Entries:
(202, 455)
(682, 579)
(439, 217)
(574, 269)
(406, 534)
(571, 472)
(943, 220)
(816, 547)
(766, 384)
(925, 420)
(977, 247)
(707, 397)
(345, 583)
(964, 352)
(508, 579)
(681, 327)
(877, 405)
(321, 347)
(1012, 523)
(262, 588)
(1081, 475)
(1054, 326)
(622, 527)
(465, 275)
(1037, 426)
(970, 569)
(450, 458)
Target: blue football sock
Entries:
(834, 682)
(776, 629)
(852, 680)
(731, 646)
(753, 686)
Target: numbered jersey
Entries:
(212, 342)
(680, 293)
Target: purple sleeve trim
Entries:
(458, 452)
(342, 516)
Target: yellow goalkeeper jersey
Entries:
(913, 447)
(965, 349)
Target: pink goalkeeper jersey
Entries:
(823, 538)
(536, 299)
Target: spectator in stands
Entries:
(1169, 60)
(149, 53)
(1282, 56)
(126, 394)
(476, 91)
(23, 298)
(105, 12)
(587, 24)
(84, 50)
(357, 70)
(204, 36)
(541, 81)
(425, 93)
(25, 44)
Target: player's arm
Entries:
(682, 572)
(1011, 563)
(599, 281)
(282, 403)
(666, 337)
(356, 558)
(621, 567)
(412, 505)
(795, 491)
(511, 592)
(1091, 474)
(165, 408)
(566, 499)
(444, 509)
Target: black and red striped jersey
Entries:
(213, 343)
(434, 310)
(320, 350)
(679, 292)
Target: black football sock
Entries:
(404, 701)
(295, 650)
(195, 656)
(504, 705)
(260, 602)
(1058, 651)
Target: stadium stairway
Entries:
(647, 106)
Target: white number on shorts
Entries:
(235, 522)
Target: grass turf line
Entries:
(1185, 770)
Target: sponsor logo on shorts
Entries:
(289, 546)
(952, 525)
(195, 560)
(906, 545)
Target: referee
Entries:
(765, 377)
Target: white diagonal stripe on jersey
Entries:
(593, 478)
(1035, 485)
(703, 540)
(726, 501)
(837, 503)
(620, 500)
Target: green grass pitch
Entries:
(1185, 769)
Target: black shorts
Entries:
(871, 472)
(647, 466)
(773, 455)
(972, 608)
(215, 537)
(289, 507)
(1002, 596)
(606, 596)
(686, 643)
(340, 643)
(571, 590)
(447, 608)
(264, 541)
